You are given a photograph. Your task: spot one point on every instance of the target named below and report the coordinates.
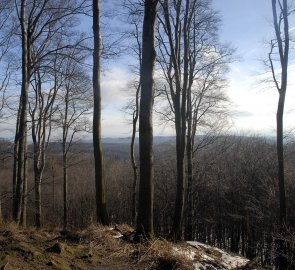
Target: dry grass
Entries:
(154, 254)
(160, 254)
(92, 248)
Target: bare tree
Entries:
(134, 15)
(132, 152)
(206, 112)
(22, 127)
(281, 46)
(40, 23)
(132, 108)
(73, 109)
(100, 184)
(190, 58)
(41, 107)
(176, 34)
(280, 43)
(146, 185)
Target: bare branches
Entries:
(279, 47)
(6, 36)
(270, 55)
(206, 61)
(74, 98)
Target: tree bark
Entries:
(25, 185)
(282, 39)
(190, 211)
(23, 114)
(132, 155)
(38, 208)
(283, 46)
(65, 165)
(1, 218)
(100, 182)
(145, 225)
(15, 156)
(280, 154)
(180, 121)
(65, 191)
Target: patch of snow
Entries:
(222, 258)
(204, 246)
(204, 266)
(234, 261)
(187, 253)
(118, 235)
(205, 257)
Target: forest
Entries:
(200, 182)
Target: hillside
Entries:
(105, 248)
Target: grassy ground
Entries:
(94, 248)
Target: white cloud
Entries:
(114, 124)
(255, 104)
(114, 84)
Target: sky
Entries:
(247, 26)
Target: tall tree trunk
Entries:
(25, 185)
(23, 115)
(65, 165)
(38, 209)
(65, 188)
(180, 181)
(15, 157)
(53, 189)
(38, 169)
(145, 225)
(132, 155)
(1, 218)
(282, 43)
(283, 46)
(100, 183)
(189, 195)
(280, 155)
(181, 141)
(281, 259)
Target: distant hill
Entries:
(127, 140)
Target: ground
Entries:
(104, 248)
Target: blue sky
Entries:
(247, 25)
